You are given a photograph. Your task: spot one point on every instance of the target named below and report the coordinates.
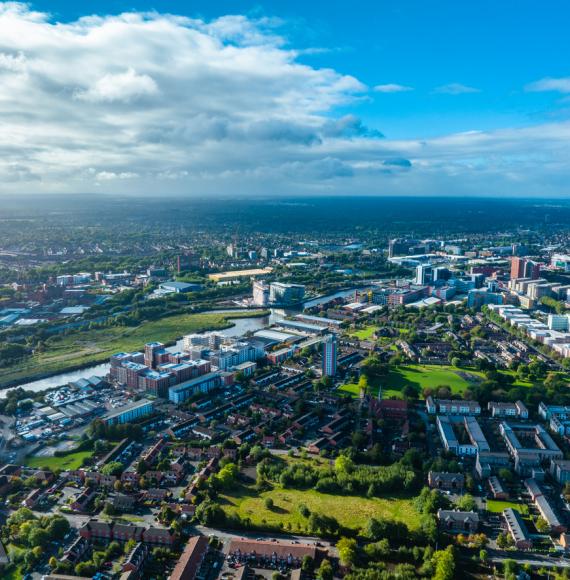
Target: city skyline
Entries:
(284, 99)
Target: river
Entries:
(239, 328)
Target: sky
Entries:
(286, 97)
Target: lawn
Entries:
(72, 460)
(497, 507)
(365, 333)
(420, 376)
(93, 346)
(351, 511)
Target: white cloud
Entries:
(392, 88)
(560, 85)
(151, 103)
(123, 87)
(456, 89)
(110, 175)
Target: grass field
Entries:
(97, 345)
(72, 460)
(365, 333)
(426, 376)
(351, 511)
(497, 507)
(420, 376)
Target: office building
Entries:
(560, 322)
(521, 268)
(285, 294)
(179, 287)
(560, 261)
(424, 274)
(260, 293)
(329, 355)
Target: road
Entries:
(524, 558)
(229, 535)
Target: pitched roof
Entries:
(190, 560)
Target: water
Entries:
(240, 327)
(62, 379)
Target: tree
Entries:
(542, 525)
(347, 551)
(363, 384)
(38, 537)
(506, 475)
(226, 476)
(378, 550)
(304, 510)
(483, 556)
(343, 464)
(467, 503)
(444, 561)
(307, 564)
(209, 512)
(58, 528)
(109, 509)
(268, 502)
(502, 541)
(325, 571)
(112, 468)
(509, 569)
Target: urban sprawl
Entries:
(405, 422)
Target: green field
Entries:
(426, 376)
(421, 377)
(351, 511)
(72, 460)
(497, 507)
(92, 346)
(365, 333)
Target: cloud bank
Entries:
(164, 104)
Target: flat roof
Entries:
(196, 381)
(240, 273)
(128, 407)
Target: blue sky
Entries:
(497, 47)
(287, 97)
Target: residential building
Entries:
(560, 470)
(528, 445)
(191, 559)
(458, 522)
(452, 406)
(517, 529)
(446, 481)
(500, 410)
(203, 384)
(329, 355)
(130, 412)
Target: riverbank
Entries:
(83, 350)
(66, 355)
